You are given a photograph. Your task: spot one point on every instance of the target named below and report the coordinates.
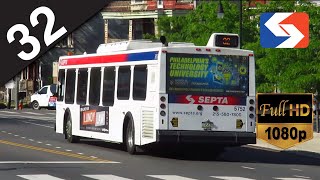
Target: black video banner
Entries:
(30, 28)
(284, 108)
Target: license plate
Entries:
(207, 125)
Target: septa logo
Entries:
(284, 30)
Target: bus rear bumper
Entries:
(214, 137)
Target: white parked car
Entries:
(45, 97)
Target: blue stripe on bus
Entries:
(143, 56)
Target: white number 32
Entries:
(49, 38)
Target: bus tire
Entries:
(68, 130)
(130, 146)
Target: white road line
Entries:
(170, 177)
(4, 131)
(31, 140)
(51, 113)
(39, 142)
(306, 177)
(293, 169)
(80, 153)
(58, 162)
(16, 135)
(38, 114)
(37, 124)
(9, 133)
(9, 112)
(281, 178)
(68, 150)
(246, 167)
(23, 137)
(230, 178)
(39, 177)
(93, 157)
(106, 177)
(48, 144)
(58, 147)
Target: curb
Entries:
(309, 154)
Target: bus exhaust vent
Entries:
(147, 123)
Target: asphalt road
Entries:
(30, 149)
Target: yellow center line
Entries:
(55, 152)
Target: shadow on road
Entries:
(244, 154)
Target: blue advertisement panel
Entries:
(207, 74)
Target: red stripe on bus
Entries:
(94, 60)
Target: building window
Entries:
(124, 77)
(82, 86)
(108, 86)
(95, 83)
(184, 1)
(66, 42)
(136, 1)
(61, 85)
(70, 85)
(140, 82)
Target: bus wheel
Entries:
(71, 138)
(131, 147)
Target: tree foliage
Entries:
(290, 70)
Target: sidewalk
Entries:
(310, 148)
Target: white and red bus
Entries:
(143, 92)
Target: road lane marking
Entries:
(170, 177)
(281, 178)
(246, 167)
(93, 157)
(16, 135)
(4, 131)
(296, 169)
(38, 124)
(39, 142)
(39, 177)
(68, 154)
(80, 153)
(306, 177)
(58, 147)
(38, 114)
(106, 177)
(10, 112)
(23, 137)
(231, 178)
(55, 162)
(9, 133)
(68, 150)
(31, 140)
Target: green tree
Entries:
(198, 25)
(290, 70)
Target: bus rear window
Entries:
(207, 74)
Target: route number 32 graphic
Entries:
(49, 37)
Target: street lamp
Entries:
(220, 10)
(221, 14)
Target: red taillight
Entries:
(198, 49)
(218, 50)
(164, 51)
(209, 50)
(251, 55)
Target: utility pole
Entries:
(16, 92)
